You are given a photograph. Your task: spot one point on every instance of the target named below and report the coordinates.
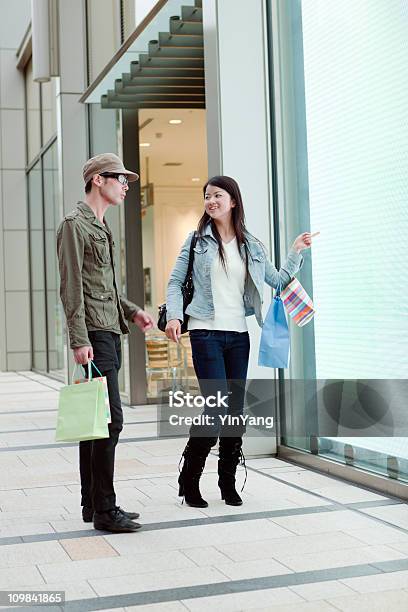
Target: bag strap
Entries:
(90, 364)
(77, 365)
(94, 365)
(191, 255)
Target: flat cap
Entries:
(106, 162)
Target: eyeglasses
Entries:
(122, 178)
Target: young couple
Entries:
(230, 267)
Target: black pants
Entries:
(97, 457)
(221, 364)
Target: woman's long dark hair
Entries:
(238, 217)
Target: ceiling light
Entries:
(196, 179)
(144, 144)
(175, 121)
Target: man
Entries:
(96, 317)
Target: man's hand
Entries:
(143, 320)
(83, 355)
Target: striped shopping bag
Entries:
(298, 304)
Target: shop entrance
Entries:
(173, 169)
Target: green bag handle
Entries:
(90, 364)
(94, 365)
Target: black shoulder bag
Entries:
(187, 290)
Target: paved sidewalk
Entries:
(301, 541)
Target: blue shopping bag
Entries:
(274, 349)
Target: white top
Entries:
(228, 291)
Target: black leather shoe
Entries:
(129, 515)
(87, 514)
(114, 521)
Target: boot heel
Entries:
(222, 496)
(181, 490)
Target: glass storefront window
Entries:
(52, 218)
(342, 158)
(33, 114)
(45, 213)
(37, 259)
(48, 111)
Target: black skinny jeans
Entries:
(97, 457)
(221, 364)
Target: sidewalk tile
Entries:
(249, 600)
(88, 548)
(379, 582)
(155, 581)
(323, 590)
(12, 577)
(19, 555)
(338, 558)
(115, 566)
(396, 601)
(279, 547)
(205, 556)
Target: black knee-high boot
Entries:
(230, 453)
(195, 455)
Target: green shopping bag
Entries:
(81, 411)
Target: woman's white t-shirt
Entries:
(228, 290)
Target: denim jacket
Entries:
(259, 267)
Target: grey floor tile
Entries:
(281, 548)
(11, 577)
(346, 494)
(380, 534)
(395, 600)
(19, 529)
(167, 606)
(205, 556)
(252, 569)
(324, 590)
(249, 600)
(307, 606)
(115, 566)
(213, 535)
(156, 581)
(332, 521)
(396, 515)
(338, 558)
(380, 582)
(19, 555)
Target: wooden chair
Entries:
(164, 362)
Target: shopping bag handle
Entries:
(77, 365)
(90, 364)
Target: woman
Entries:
(230, 267)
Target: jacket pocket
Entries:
(100, 308)
(100, 249)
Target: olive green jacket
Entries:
(88, 288)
